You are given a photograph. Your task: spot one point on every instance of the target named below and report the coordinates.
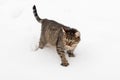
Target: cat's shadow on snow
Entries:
(47, 49)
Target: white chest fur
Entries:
(70, 47)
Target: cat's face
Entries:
(71, 38)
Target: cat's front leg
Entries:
(61, 53)
(70, 53)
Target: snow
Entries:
(97, 55)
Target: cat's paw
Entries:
(41, 46)
(71, 55)
(65, 64)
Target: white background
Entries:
(97, 55)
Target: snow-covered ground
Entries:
(97, 55)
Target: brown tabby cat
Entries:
(64, 38)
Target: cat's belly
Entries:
(51, 40)
(53, 43)
(49, 45)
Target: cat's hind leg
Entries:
(42, 42)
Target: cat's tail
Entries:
(36, 14)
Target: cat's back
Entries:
(52, 30)
(51, 23)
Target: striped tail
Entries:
(35, 14)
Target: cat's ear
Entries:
(63, 30)
(77, 34)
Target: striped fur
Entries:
(36, 14)
(63, 37)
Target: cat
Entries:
(63, 37)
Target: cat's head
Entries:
(71, 38)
